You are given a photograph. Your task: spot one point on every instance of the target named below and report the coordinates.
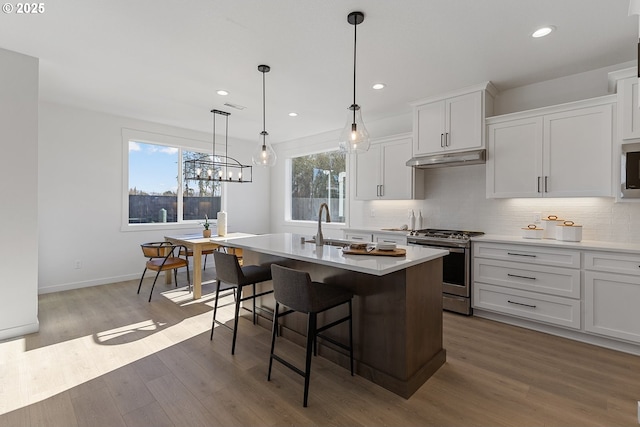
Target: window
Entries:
(157, 189)
(316, 179)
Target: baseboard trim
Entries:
(19, 331)
(576, 335)
(87, 283)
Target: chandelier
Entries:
(217, 167)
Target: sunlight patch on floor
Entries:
(27, 377)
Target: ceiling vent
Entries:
(236, 106)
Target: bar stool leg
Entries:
(254, 303)
(311, 335)
(273, 338)
(235, 320)
(350, 338)
(215, 308)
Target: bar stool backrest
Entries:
(228, 268)
(293, 288)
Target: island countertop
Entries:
(289, 245)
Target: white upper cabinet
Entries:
(628, 107)
(561, 151)
(452, 122)
(382, 173)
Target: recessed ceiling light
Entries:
(544, 31)
(379, 86)
(222, 92)
(292, 114)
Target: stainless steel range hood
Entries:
(448, 159)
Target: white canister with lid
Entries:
(532, 231)
(568, 231)
(551, 222)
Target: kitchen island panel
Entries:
(397, 321)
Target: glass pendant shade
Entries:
(264, 155)
(354, 137)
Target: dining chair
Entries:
(164, 256)
(295, 290)
(229, 271)
(205, 252)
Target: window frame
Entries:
(288, 169)
(182, 144)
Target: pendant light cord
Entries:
(264, 114)
(355, 39)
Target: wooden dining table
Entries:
(197, 244)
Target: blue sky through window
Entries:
(153, 168)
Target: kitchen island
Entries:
(397, 306)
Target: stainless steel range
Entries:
(456, 267)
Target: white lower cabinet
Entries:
(532, 282)
(612, 295)
(593, 293)
(530, 305)
(357, 237)
(390, 238)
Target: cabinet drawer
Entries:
(358, 237)
(559, 281)
(611, 305)
(544, 308)
(612, 262)
(528, 254)
(387, 238)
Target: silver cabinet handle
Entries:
(381, 190)
(539, 184)
(546, 184)
(521, 277)
(515, 254)
(519, 303)
(446, 139)
(442, 140)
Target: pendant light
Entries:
(217, 167)
(264, 155)
(354, 138)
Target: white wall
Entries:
(19, 192)
(80, 198)
(455, 197)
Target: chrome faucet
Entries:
(319, 238)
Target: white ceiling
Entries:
(163, 60)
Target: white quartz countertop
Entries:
(288, 245)
(633, 248)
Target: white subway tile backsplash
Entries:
(455, 198)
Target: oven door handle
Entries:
(455, 250)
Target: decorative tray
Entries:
(377, 252)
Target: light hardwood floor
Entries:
(104, 356)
